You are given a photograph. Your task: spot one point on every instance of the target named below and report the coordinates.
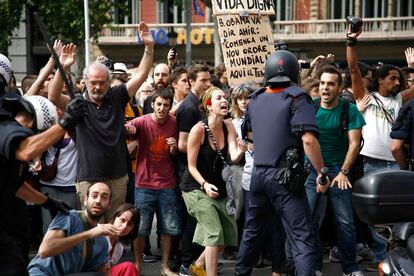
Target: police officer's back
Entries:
(282, 121)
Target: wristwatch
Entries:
(345, 172)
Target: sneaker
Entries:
(148, 258)
(365, 253)
(219, 266)
(355, 273)
(197, 270)
(334, 255)
(318, 273)
(183, 271)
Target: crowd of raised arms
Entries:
(125, 147)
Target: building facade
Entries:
(309, 27)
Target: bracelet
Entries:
(351, 41)
(148, 52)
(202, 185)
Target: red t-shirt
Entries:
(155, 168)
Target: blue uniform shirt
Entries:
(277, 121)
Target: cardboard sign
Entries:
(246, 42)
(243, 7)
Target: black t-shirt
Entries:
(13, 213)
(101, 147)
(147, 108)
(188, 114)
(210, 165)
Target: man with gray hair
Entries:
(101, 143)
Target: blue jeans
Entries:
(341, 202)
(374, 165)
(165, 203)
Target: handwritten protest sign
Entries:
(246, 37)
(246, 43)
(243, 7)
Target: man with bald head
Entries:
(161, 78)
(101, 143)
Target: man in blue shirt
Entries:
(76, 242)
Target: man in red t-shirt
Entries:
(155, 185)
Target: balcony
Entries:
(374, 29)
(390, 28)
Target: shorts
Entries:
(214, 226)
(165, 203)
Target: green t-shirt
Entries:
(334, 145)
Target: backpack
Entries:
(357, 168)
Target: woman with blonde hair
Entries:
(204, 190)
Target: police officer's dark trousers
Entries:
(295, 216)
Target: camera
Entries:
(281, 45)
(355, 22)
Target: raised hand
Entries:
(351, 34)
(57, 46)
(145, 34)
(68, 55)
(409, 56)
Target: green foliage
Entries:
(10, 11)
(65, 19)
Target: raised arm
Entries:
(45, 72)
(409, 56)
(146, 62)
(358, 87)
(67, 59)
(408, 93)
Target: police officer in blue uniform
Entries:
(281, 120)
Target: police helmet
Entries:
(6, 70)
(282, 66)
(43, 111)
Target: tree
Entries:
(65, 19)
(10, 11)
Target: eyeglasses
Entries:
(146, 91)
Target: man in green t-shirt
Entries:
(339, 149)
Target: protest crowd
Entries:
(164, 140)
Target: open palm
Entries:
(68, 55)
(145, 34)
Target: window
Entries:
(404, 8)
(339, 9)
(125, 11)
(374, 8)
(285, 10)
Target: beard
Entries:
(93, 215)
